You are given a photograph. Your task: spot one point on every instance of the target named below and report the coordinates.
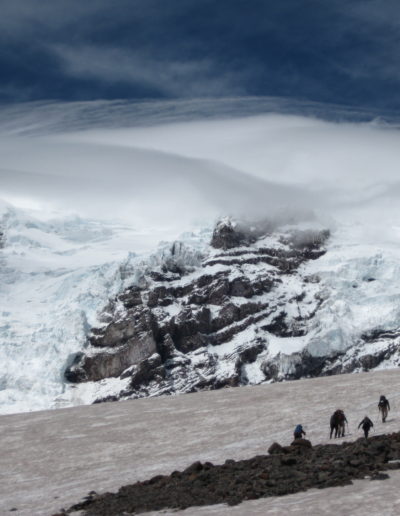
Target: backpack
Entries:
(367, 423)
(382, 401)
(298, 429)
(339, 415)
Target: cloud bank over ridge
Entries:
(174, 170)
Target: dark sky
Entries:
(336, 51)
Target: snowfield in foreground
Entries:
(52, 459)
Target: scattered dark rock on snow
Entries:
(380, 476)
(288, 469)
(275, 448)
(304, 443)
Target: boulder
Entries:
(302, 443)
(146, 371)
(275, 449)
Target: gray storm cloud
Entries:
(137, 185)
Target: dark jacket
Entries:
(298, 431)
(339, 417)
(383, 402)
(366, 423)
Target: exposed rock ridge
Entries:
(286, 470)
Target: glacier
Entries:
(58, 274)
(55, 276)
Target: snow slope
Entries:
(52, 459)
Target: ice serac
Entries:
(212, 319)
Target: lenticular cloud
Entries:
(93, 159)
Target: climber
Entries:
(383, 407)
(298, 432)
(366, 424)
(337, 423)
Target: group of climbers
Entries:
(338, 421)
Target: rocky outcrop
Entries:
(288, 469)
(228, 235)
(108, 364)
(358, 358)
(204, 326)
(225, 317)
(124, 342)
(382, 351)
(294, 366)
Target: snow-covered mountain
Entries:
(196, 321)
(113, 283)
(86, 320)
(260, 304)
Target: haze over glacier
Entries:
(86, 205)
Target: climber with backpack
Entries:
(337, 423)
(383, 407)
(299, 432)
(366, 424)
